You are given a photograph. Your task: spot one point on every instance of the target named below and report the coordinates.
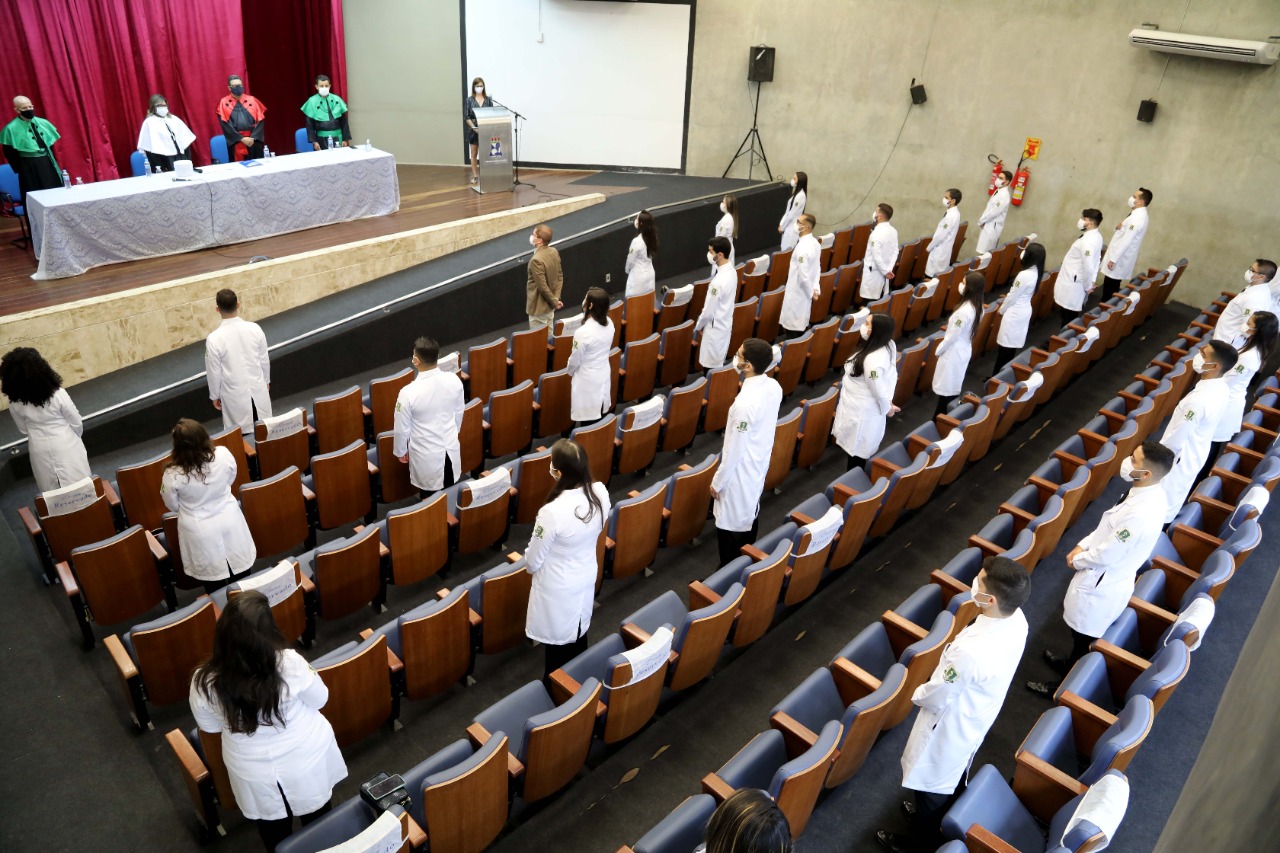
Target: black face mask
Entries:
(237, 90)
(27, 114)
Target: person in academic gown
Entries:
(243, 120)
(28, 146)
(164, 137)
(326, 117)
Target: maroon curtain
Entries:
(287, 43)
(90, 66)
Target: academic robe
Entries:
(28, 146)
(326, 119)
(238, 123)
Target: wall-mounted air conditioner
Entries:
(1208, 47)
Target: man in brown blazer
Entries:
(546, 280)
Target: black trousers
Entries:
(210, 587)
(1079, 647)
(272, 832)
(1004, 355)
(731, 541)
(1110, 287)
(852, 462)
(555, 657)
(926, 832)
(449, 479)
(943, 402)
(1067, 316)
(1214, 449)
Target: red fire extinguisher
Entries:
(996, 169)
(1020, 182)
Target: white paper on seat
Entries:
(1031, 238)
(1172, 270)
(823, 530)
(1257, 497)
(1134, 298)
(276, 583)
(927, 289)
(760, 264)
(1092, 333)
(680, 296)
(1103, 805)
(489, 487)
(860, 316)
(282, 425)
(1034, 381)
(70, 498)
(382, 836)
(826, 241)
(648, 412)
(451, 363)
(777, 358)
(983, 260)
(648, 657)
(1199, 615)
(948, 445)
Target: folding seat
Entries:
(784, 449)
(947, 291)
(633, 532)
(903, 472)
(810, 548)
(356, 826)
(955, 580)
(277, 512)
(1047, 775)
(282, 441)
(1045, 516)
(155, 659)
(458, 796)
(418, 540)
(485, 369)
(1007, 536)
(848, 336)
(1108, 678)
(433, 643)
(242, 451)
(918, 305)
(932, 433)
(761, 582)
(638, 430)
(639, 369)
(929, 607)
(1100, 463)
(818, 359)
(899, 300)
(819, 308)
(858, 245)
(381, 401)
(848, 277)
(750, 283)
(675, 308)
(347, 573)
(532, 480)
(527, 354)
(55, 532)
(139, 489)
(722, 388)
(170, 541)
(699, 297)
(940, 456)
(1213, 504)
(345, 486)
(1235, 484)
(1022, 401)
(859, 501)
(471, 438)
(508, 421)
(911, 361)
(547, 743)
(1183, 566)
(393, 475)
(675, 354)
(680, 415)
(779, 269)
(961, 231)
(199, 757)
(699, 634)
(991, 816)
(680, 831)
(552, 404)
(561, 345)
(744, 324)
(793, 779)
(1144, 635)
(844, 694)
(688, 502)
(638, 318)
(499, 599)
(1114, 426)
(1195, 536)
(116, 579)
(923, 376)
(479, 511)
(340, 419)
(597, 441)
(993, 401)
(292, 595)
(843, 239)
(616, 310)
(361, 698)
(814, 431)
(631, 698)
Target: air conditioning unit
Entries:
(1208, 47)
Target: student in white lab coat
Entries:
(42, 411)
(960, 701)
(562, 557)
(644, 248)
(866, 391)
(1194, 421)
(727, 227)
(1262, 330)
(1122, 251)
(991, 222)
(1255, 297)
(943, 240)
(1079, 268)
(428, 418)
(1015, 308)
(264, 699)
(591, 378)
(1106, 562)
(795, 207)
(748, 444)
(803, 279)
(715, 323)
(237, 367)
(214, 538)
(956, 347)
(880, 257)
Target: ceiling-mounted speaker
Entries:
(760, 65)
(1147, 111)
(917, 92)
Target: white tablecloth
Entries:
(78, 228)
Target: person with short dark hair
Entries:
(1261, 332)
(1106, 562)
(748, 446)
(749, 821)
(590, 375)
(428, 419)
(881, 255)
(866, 391)
(1255, 297)
(546, 279)
(237, 366)
(991, 222)
(1015, 309)
(243, 119)
(28, 146)
(42, 411)
(795, 206)
(715, 323)
(955, 350)
(941, 245)
(327, 116)
(1122, 252)
(1079, 267)
(1194, 422)
(804, 275)
(961, 700)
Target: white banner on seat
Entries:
(680, 296)
(569, 325)
(860, 316)
(70, 498)
(384, 835)
(489, 487)
(282, 425)
(826, 241)
(276, 583)
(1257, 497)
(649, 412)
(451, 363)
(1134, 298)
(650, 656)
(927, 289)
(983, 260)
(777, 358)
(1103, 805)
(947, 446)
(760, 264)
(823, 530)
(1199, 615)
(1092, 333)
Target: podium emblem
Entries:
(495, 146)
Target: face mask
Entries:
(1080, 224)
(637, 223)
(740, 366)
(323, 91)
(982, 599)
(1197, 363)
(793, 183)
(27, 114)
(1127, 472)
(711, 258)
(237, 90)
(1022, 256)
(555, 475)
(1248, 276)
(162, 111)
(946, 202)
(1133, 202)
(865, 331)
(723, 209)
(962, 289)
(478, 89)
(532, 240)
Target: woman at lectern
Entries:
(44, 413)
(644, 247)
(478, 99)
(164, 137)
(795, 206)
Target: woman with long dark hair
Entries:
(749, 821)
(477, 99)
(727, 227)
(213, 537)
(644, 248)
(281, 756)
(866, 391)
(591, 383)
(1261, 331)
(795, 206)
(1015, 310)
(562, 557)
(956, 347)
(43, 412)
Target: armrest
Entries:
(633, 635)
(157, 550)
(951, 587)
(1041, 787)
(800, 518)
(1122, 667)
(988, 547)
(1069, 458)
(902, 632)
(451, 519)
(882, 470)
(67, 579)
(29, 522)
(701, 595)
(795, 735)
(109, 492)
(563, 686)
(946, 420)
(479, 736)
(307, 586)
(717, 787)
(1088, 721)
(843, 494)
(308, 495)
(393, 663)
(250, 452)
(124, 664)
(852, 681)
(416, 836)
(1022, 515)
(979, 839)
(193, 768)
(754, 553)
(373, 469)
(1153, 620)
(513, 557)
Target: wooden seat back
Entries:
(816, 418)
(636, 533)
(118, 577)
(791, 366)
(486, 369)
(418, 538)
(753, 284)
(342, 485)
(840, 247)
(553, 412)
(858, 244)
(760, 597)
(168, 655)
(536, 483)
(295, 615)
(483, 525)
(961, 232)
(670, 313)
(393, 475)
(784, 449)
(819, 308)
(744, 323)
(339, 420)
(722, 388)
(821, 346)
(636, 448)
(674, 354)
(631, 705)
(471, 438)
(690, 501)
(173, 544)
(857, 524)
(638, 317)
(855, 684)
(92, 523)
(997, 393)
(555, 752)
(466, 813)
(383, 393)
(804, 571)
(905, 267)
(699, 298)
(276, 511)
(615, 372)
(436, 649)
(506, 604)
(510, 423)
(848, 277)
(769, 315)
(528, 355)
(779, 269)
(561, 349)
(359, 692)
(903, 633)
(684, 406)
(640, 369)
(277, 454)
(597, 441)
(241, 451)
(702, 645)
(899, 495)
(139, 488)
(899, 300)
(798, 795)
(349, 576)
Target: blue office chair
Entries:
(300, 140)
(218, 149)
(11, 203)
(138, 164)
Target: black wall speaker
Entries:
(917, 92)
(1147, 111)
(760, 64)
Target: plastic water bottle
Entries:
(66, 179)
(331, 146)
(79, 182)
(266, 152)
(368, 145)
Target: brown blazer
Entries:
(542, 291)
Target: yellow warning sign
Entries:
(1032, 149)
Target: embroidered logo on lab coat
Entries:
(875, 374)
(800, 259)
(398, 406)
(1087, 252)
(575, 343)
(1122, 535)
(1239, 368)
(1190, 415)
(950, 675)
(958, 322)
(538, 532)
(742, 426)
(715, 292)
(1131, 227)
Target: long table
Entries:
(78, 228)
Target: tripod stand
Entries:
(750, 143)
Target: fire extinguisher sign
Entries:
(1032, 149)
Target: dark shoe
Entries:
(1044, 688)
(909, 809)
(1057, 663)
(894, 841)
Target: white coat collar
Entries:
(427, 374)
(989, 625)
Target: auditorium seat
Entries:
(532, 480)
(848, 277)
(627, 704)
(923, 376)
(636, 443)
(353, 826)
(1046, 517)
(700, 633)
(819, 308)
(938, 432)
(113, 580)
(199, 758)
(479, 511)
(722, 387)
(1108, 678)
(769, 315)
(814, 430)
(675, 354)
(859, 500)
(955, 580)
(383, 393)
(293, 592)
(1022, 401)
(597, 440)
(418, 538)
(633, 531)
(1183, 567)
(458, 795)
(680, 831)
(345, 485)
(361, 699)
(471, 439)
(242, 451)
(394, 484)
(485, 369)
(744, 325)
(139, 489)
(639, 369)
(761, 582)
(848, 336)
(170, 541)
(347, 573)
(552, 404)
(904, 472)
(340, 419)
(688, 501)
(289, 444)
(276, 510)
(911, 361)
(810, 546)
(680, 416)
(993, 401)
(155, 659)
(500, 598)
(784, 449)
(637, 318)
(918, 304)
(674, 308)
(433, 642)
(527, 356)
(1158, 627)
(1003, 537)
(616, 309)
(54, 537)
(508, 421)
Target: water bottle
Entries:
(79, 182)
(66, 179)
(331, 146)
(368, 145)
(266, 152)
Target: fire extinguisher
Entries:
(996, 169)
(1020, 182)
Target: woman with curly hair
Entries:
(44, 413)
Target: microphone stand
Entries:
(515, 159)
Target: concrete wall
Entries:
(404, 72)
(997, 72)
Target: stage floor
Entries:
(429, 195)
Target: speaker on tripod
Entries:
(760, 64)
(759, 70)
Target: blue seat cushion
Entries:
(415, 779)
(682, 830)
(813, 703)
(923, 605)
(1088, 680)
(666, 609)
(511, 713)
(756, 763)
(989, 802)
(344, 822)
(160, 622)
(870, 649)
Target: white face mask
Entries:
(637, 223)
(865, 331)
(793, 183)
(478, 89)
(1133, 202)
(739, 365)
(723, 209)
(533, 241)
(962, 288)
(1127, 471)
(981, 599)
(711, 258)
(323, 91)
(1248, 274)
(1080, 224)
(946, 202)
(162, 111)
(1197, 363)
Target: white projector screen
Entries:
(604, 86)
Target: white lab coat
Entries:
(803, 284)
(53, 431)
(991, 222)
(724, 228)
(716, 320)
(790, 231)
(639, 268)
(954, 351)
(960, 701)
(1190, 432)
(1015, 310)
(1124, 245)
(942, 242)
(238, 370)
(591, 383)
(1113, 553)
(428, 418)
(744, 460)
(562, 559)
(159, 134)
(864, 402)
(1079, 269)
(878, 261)
(1231, 324)
(1238, 379)
(301, 757)
(214, 537)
